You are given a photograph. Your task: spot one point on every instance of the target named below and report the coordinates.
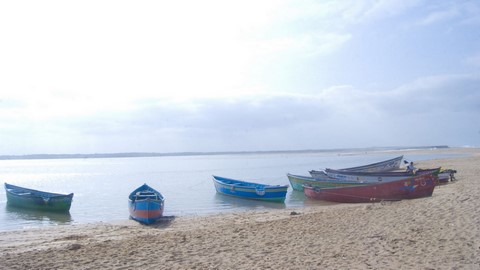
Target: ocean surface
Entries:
(102, 185)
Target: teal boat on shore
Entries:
(249, 190)
(297, 182)
(37, 200)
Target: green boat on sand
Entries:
(297, 182)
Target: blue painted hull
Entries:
(248, 190)
(145, 204)
(147, 212)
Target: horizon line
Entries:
(201, 153)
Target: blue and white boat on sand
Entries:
(146, 204)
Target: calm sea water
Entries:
(102, 185)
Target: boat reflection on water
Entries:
(294, 199)
(240, 204)
(32, 218)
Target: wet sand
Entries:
(438, 232)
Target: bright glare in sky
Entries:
(115, 76)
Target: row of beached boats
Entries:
(381, 181)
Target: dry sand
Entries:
(439, 232)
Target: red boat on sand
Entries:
(409, 188)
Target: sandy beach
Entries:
(438, 232)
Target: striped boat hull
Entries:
(146, 204)
(146, 211)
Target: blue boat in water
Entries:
(146, 204)
(249, 190)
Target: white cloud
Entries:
(439, 16)
(433, 110)
(455, 12)
(449, 93)
(159, 49)
(473, 60)
(430, 110)
(379, 9)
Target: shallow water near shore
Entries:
(102, 185)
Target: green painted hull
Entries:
(37, 200)
(297, 182)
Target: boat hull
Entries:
(297, 182)
(147, 212)
(37, 200)
(382, 166)
(146, 205)
(409, 188)
(375, 177)
(248, 190)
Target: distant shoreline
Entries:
(153, 154)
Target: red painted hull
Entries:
(408, 188)
(146, 214)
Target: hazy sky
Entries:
(173, 76)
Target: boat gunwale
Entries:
(381, 174)
(143, 188)
(399, 159)
(332, 181)
(33, 192)
(413, 178)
